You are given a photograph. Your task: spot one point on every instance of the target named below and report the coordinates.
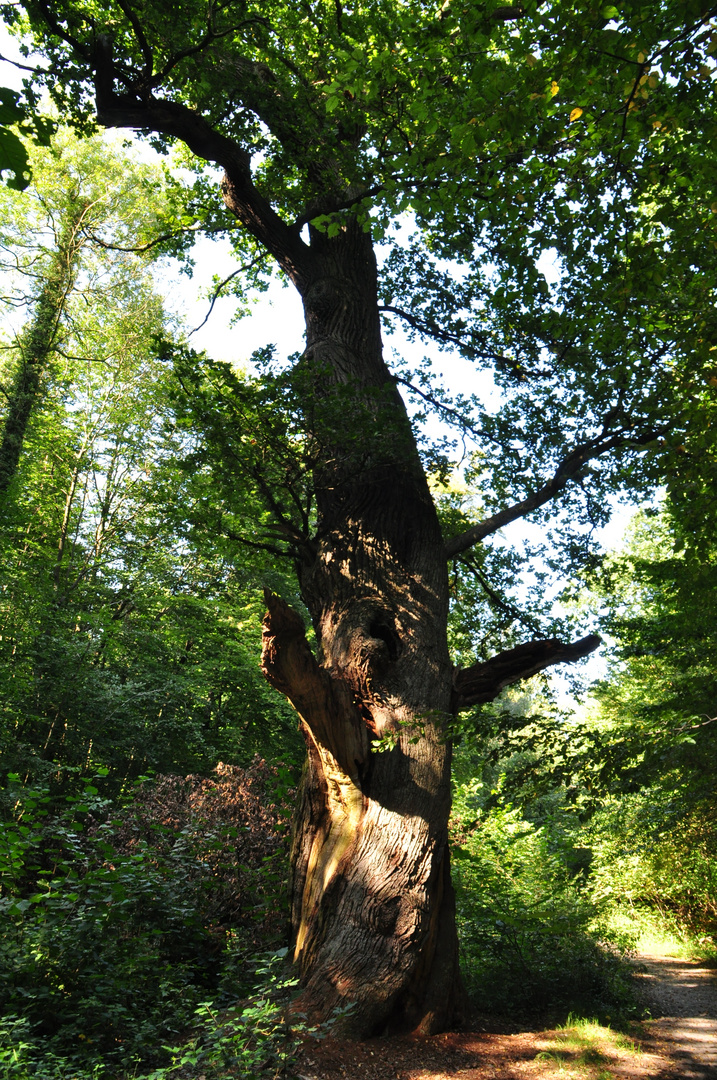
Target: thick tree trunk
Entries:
(373, 911)
(372, 904)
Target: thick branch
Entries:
(334, 204)
(325, 704)
(569, 469)
(484, 681)
(508, 13)
(179, 121)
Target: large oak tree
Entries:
(463, 141)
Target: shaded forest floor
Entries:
(679, 1042)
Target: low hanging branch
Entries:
(484, 681)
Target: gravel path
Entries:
(680, 1043)
(682, 998)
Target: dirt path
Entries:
(682, 997)
(679, 1043)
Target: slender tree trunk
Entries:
(37, 344)
(372, 904)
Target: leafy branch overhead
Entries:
(503, 134)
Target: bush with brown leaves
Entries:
(236, 826)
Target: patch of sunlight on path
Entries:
(682, 997)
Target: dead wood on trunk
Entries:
(324, 704)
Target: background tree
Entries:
(125, 607)
(84, 201)
(13, 155)
(504, 133)
(653, 728)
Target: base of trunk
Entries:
(373, 906)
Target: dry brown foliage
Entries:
(231, 832)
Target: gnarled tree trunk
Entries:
(372, 905)
(373, 910)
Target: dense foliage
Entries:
(534, 938)
(560, 236)
(538, 179)
(121, 920)
(656, 721)
(129, 619)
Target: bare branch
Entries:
(27, 67)
(222, 284)
(145, 47)
(255, 545)
(484, 681)
(209, 38)
(431, 329)
(569, 469)
(46, 10)
(461, 420)
(139, 249)
(499, 601)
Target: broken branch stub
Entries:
(325, 703)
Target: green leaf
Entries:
(13, 160)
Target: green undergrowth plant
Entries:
(119, 924)
(251, 1039)
(532, 938)
(589, 1050)
(655, 934)
(654, 869)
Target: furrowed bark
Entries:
(324, 704)
(373, 911)
(372, 904)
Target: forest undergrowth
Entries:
(147, 938)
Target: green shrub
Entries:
(253, 1039)
(116, 925)
(530, 935)
(652, 854)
